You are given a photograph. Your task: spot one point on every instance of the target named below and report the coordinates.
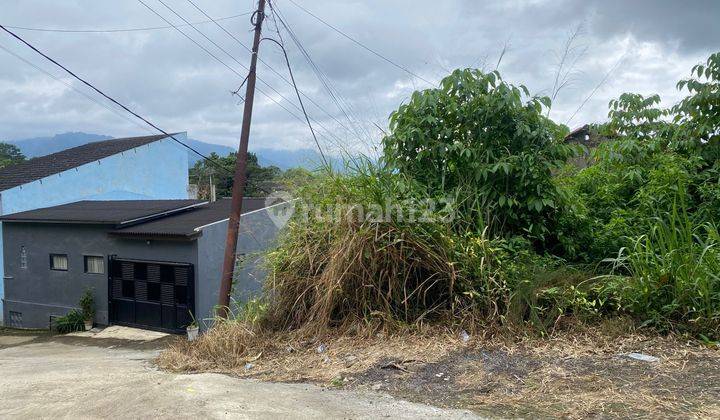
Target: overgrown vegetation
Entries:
(473, 215)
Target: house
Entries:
(150, 167)
(588, 137)
(149, 263)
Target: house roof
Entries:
(116, 212)
(139, 218)
(43, 166)
(186, 224)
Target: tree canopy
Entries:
(10, 154)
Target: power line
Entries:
(102, 31)
(233, 58)
(75, 89)
(206, 158)
(360, 44)
(322, 77)
(297, 92)
(106, 96)
(268, 65)
(597, 87)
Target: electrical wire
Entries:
(103, 31)
(335, 95)
(360, 44)
(230, 34)
(297, 92)
(206, 158)
(113, 110)
(230, 68)
(108, 97)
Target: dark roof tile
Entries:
(113, 212)
(184, 224)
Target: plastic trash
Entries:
(643, 357)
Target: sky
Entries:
(605, 48)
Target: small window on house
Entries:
(59, 262)
(94, 264)
(23, 258)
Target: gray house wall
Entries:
(39, 292)
(258, 232)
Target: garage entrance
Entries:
(155, 295)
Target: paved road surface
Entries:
(81, 377)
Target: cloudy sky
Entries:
(616, 46)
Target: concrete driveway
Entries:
(44, 376)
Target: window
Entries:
(94, 264)
(23, 258)
(59, 262)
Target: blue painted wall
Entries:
(158, 170)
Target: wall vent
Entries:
(15, 319)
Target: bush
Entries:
(71, 322)
(487, 142)
(87, 305)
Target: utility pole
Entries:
(239, 180)
(213, 198)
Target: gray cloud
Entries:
(650, 44)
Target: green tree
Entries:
(699, 113)
(261, 180)
(10, 154)
(483, 139)
(636, 116)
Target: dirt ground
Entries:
(44, 376)
(582, 374)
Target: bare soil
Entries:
(585, 372)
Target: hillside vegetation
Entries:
(512, 234)
(474, 219)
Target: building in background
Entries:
(137, 168)
(149, 264)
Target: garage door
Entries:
(154, 295)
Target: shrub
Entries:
(87, 305)
(486, 141)
(72, 321)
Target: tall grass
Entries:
(347, 261)
(383, 269)
(674, 273)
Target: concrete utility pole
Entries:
(239, 180)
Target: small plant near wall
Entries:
(78, 320)
(87, 306)
(193, 329)
(71, 322)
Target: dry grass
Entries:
(581, 372)
(344, 273)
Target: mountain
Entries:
(284, 159)
(206, 149)
(41, 146)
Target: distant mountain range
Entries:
(284, 159)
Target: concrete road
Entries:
(79, 377)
